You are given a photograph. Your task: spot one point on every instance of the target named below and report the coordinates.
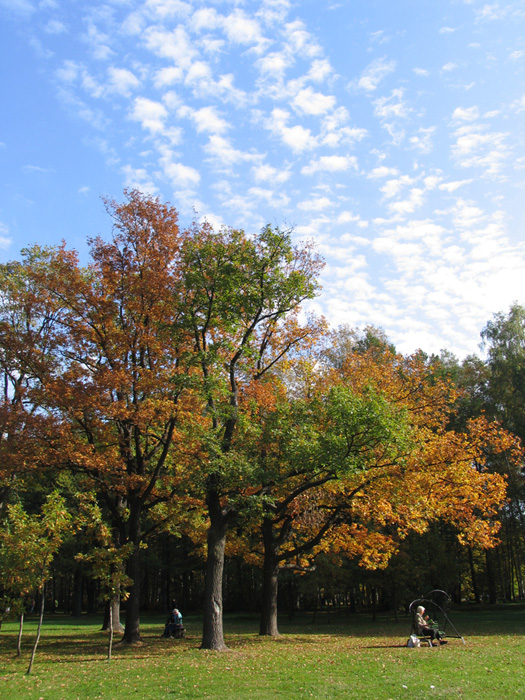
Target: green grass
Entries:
(337, 657)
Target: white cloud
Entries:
(392, 107)
(315, 204)
(168, 8)
(55, 26)
(214, 47)
(205, 18)
(36, 169)
(150, 114)
(300, 41)
(408, 206)
(347, 217)
(133, 24)
(198, 73)
(330, 164)
(273, 65)
(422, 141)
(224, 154)
(432, 181)
(140, 179)
(320, 70)
(168, 76)
(466, 215)
(175, 45)
(453, 186)
(99, 42)
(297, 137)
(277, 200)
(5, 238)
(382, 171)
(206, 119)
(241, 29)
(335, 130)
(122, 81)
(466, 114)
(69, 71)
(519, 104)
(313, 103)
(374, 74)
(477, 147)
(181, 176)
(491, 12)
(92, 86)
(267, 173)
(272, 11)
(392, 187)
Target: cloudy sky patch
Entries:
(393, 139)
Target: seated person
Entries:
(422, 622)
(173, 623)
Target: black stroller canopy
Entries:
(436, 604)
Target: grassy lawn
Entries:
(335, 657)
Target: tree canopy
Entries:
(178, 381)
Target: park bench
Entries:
(422, 637)
(436, 601)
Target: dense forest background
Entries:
(175, 430)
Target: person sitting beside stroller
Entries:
(174, 626)
(422, 623)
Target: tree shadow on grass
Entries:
(86, 649)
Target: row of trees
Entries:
(172, 388)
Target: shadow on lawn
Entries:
(78, 640)
(471, 621)
(91, 645)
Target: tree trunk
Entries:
(132, 628)
(20, 629)
(110, 642)
(112, 615)
(40, 620)
(268, 624)
(212, 630)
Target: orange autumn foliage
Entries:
(433, 473)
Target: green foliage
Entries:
(105, 560)
(28, 544)
(504, 340)
(362, 430)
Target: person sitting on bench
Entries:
(173, 624)
(421, 622)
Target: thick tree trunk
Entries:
(132, 623)
(268, 624)
(212, 630)
(112, 615)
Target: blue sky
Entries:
(390, 133)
